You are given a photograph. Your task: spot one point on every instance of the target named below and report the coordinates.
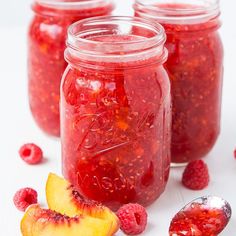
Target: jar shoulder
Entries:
(193, 42)
(48, 29)
(149, 84)
(193, 51)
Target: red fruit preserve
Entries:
(195, 68)
(198, 220)
(115, 111)
(46, 45)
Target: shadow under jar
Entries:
(115, 110)
(46, 46)
(195, 68)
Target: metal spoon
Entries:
(187, 221)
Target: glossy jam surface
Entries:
(46, 64)
(198, 220)
(116, 131)
(195, 68)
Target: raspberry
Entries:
(196, 176)
(24, 198)
(31, 153)
(133, 219)
(235, 153)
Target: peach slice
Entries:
(63, 198)
(42, 222)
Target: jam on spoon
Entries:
(205, 216)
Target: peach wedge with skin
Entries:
(63, 198)
(42, 222)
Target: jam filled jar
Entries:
(46, 46)
(195, 68)
(115, 110)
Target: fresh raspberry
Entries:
(24, 198)
(133, 219)
(235, 153)
(196, 175)
(31, 153)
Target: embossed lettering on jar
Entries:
(195, 68)
(115, 110)
(46, 46)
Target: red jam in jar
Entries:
(115, 110)
(46, 46)
(195, 68)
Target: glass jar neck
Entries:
(115, 41)
(180, 12)
(83, 8)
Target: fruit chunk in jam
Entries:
(116, 129)
(198, 220)
(46, 64)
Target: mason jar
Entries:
(46, 45)
(195, 68)
(116, 110)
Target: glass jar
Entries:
(46, 46)
(115, 110)
(195, 68)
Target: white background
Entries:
(17, 127)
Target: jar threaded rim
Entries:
(190, 12)
(150, 38)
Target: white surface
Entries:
(17, 127)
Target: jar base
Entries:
(178, 165)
